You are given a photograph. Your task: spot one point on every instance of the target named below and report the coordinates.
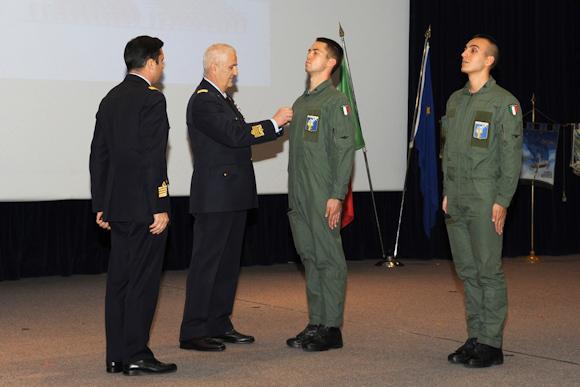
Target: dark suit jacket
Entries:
(223, 175)
(128, 153)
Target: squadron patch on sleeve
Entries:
(514, 109)
(257, 131)
(163, 190)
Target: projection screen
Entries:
(62, 56)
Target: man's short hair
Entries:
(140, 49)
(334, 51)
(216, 53)
(493, 47)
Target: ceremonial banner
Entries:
(539, 153)
(575, 159)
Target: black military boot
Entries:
(463, 353)
(485, 356)
(326, 338)
(307, 334)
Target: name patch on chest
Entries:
(480, 130)
(311, 123)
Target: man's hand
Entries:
(444, 204)
(283, 116)
(101, 222)
(160, 222)
(498, 214)
(333, 212)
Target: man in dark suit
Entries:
(223, 188)
(129, 189)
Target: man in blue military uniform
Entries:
(129, 189)
(482, 155)
(223, 188)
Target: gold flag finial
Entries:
(340, 30)
(428, 32)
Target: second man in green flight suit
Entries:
(482, 154)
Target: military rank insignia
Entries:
(514, 109)
(201, 91)
(480, 130)
(153, 88)
(257, 131)
(311, 124)
(345, 110)
(163, 190)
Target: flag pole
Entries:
(411, 144)
(387, 261)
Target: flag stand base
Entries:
(533, 258)
(389, 262)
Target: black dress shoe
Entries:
(326, 338)
(463, 353)
(235, 337)
(485, 356)
(148, 366)
(202, 344)
(306, 334)
(114, 367)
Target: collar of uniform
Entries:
(484, 89)
(319, 88)
(142, 77)
(215, 86)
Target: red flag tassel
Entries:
(347, 208)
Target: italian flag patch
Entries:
(345, 110)
(514, 109)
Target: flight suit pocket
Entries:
(447, 122)
(449, 166)
(481, 130)
(443, 135)
(311, 125)
(448, 219)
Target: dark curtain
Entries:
(540, 51)
(61, 237)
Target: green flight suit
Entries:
(481, 163)
(319, 168)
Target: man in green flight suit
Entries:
(482, 155)
(319, 168)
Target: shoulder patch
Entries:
(201, 91)
(153, 88)
(514, 109)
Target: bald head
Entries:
(220, 65)
(216, 54)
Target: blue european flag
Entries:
(425, 143)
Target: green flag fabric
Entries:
(345, 86)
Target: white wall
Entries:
(63, 56)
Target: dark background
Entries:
(539, 54)
(539, 43)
